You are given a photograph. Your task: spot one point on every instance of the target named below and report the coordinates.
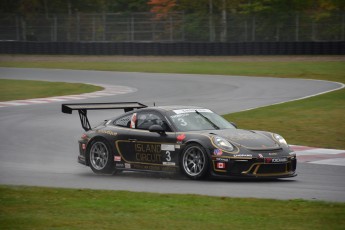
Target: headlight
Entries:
(221, 143)
(280, 139)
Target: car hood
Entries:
(248, 139)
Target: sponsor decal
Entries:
(222, 159)
(220, 165)
(279, 160)
(133, 120)
(260, 155)
(179, 111)
(109, 132)
(268, 160)
(147, 148)
(181, 137)
(117, 158)
(275, 160)
(154, 167)
(127, 166)
(83, 146)
(180, 115)
(150, 153)
(169, 163)
(243, 155)
(120, 165)
(177, 146)
(272, 154)
(165, 147)
(84, 136)
(218, 152)
(148, 157)
(146, 167)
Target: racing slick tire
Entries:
(194, 162)
(101, 157)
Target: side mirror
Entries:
(233, 124)
(156, 129)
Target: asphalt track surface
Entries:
(39, 144)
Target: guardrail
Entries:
(175, 48)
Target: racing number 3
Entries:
(182, 122)
(168, 157)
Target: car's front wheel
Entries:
(194, 162)
(101, 157)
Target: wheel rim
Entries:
(99, 155)
(193, 161)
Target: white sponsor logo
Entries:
(279, 160)
(167, 147)
(243, 155)
(169, 163)
(222, 159)
(179, 111)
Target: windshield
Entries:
(198, 119)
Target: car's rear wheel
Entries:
(194, 162)
(101, 157)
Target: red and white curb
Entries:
(109, 90)
(319, 155)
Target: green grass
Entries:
(47, 208)
(317, 122)
(25, 89)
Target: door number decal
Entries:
(168, 157)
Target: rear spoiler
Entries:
(84, 107)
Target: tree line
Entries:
(318, 8)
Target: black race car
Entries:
(190, 139)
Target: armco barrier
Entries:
(180, 48)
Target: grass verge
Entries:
(317, 122)
(47, 208)
(25, 89)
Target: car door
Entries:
(147, 150)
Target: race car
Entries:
(188, 139)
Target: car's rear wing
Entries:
(84, 107)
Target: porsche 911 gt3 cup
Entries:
(188, 139)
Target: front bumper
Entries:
(254, 167)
